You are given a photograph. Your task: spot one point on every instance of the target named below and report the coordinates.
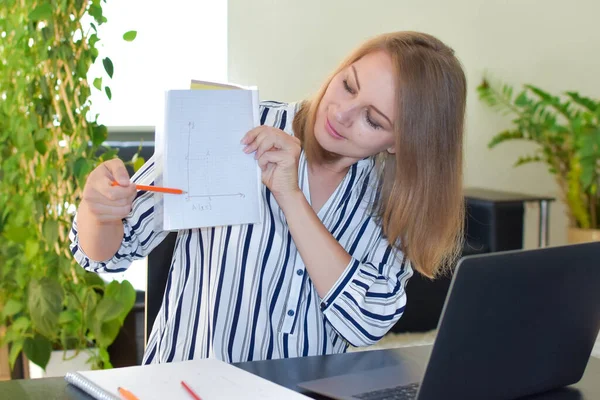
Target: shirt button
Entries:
(323, 306)
(291, 313)
(299, 272)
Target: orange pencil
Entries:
(126, 394)
(155, 189)
(190, 391)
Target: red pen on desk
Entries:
(190, 391)
(155, 189)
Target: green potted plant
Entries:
(566, 128)
(48, 145)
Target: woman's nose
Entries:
(344, 113)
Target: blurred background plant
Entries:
(48, 145)
(566, 128)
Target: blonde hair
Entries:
(420, 203)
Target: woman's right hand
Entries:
(104, 202)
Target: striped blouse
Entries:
(242, 293)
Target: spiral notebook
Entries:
(198, 150)
(210, 379)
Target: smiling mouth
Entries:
(332, 131)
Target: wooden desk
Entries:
(288, 372)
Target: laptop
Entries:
(514, 323)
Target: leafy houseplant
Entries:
(567, 130)
(48, 145)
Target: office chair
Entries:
(159, 262)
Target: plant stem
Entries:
(564, 198)
(83, 317)
(508, 104)
(593, 208)
(52, 93)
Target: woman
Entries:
(362, 184)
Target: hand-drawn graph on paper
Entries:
(205, 179)
(204, 158)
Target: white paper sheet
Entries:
(211, 379)
(202, 155)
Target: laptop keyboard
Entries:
(405, 392)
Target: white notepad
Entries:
(210, 379)
(198, 150)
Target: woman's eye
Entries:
(373, 124)
(347, 87)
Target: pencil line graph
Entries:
(202, 170)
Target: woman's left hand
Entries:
(278, 154)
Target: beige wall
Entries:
(287, 48)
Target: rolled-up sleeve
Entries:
(140, 235)
(369, 297)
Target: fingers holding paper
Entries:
(278, 154)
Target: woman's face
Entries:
(356, 116)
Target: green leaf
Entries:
(93, 40)
(138, 163)
(98, 83)
(95, 11)
(585, 102)
(107, 332)
(41, 146)
(527, 160)
(12, 307)
(108, 92)
(104, 357)
(542, 94)
(94, 54)
(504, 136)
(130, 36)
(108, 66)
(10, 335)
(38, 350)
(43, 11)
(15, 350)
(108, 309)
(521, 99)
(45, 305)
(21, 324)
(507, 91)
(32, 248)
(50, 231)
(92, 279)
(109, 155)
(82, 168)
(588, 173)
(103, 353)
(124, 294)
(91, 300)
(67, 316)
(82, 66)
(99, 135)
(17, 234)
(72, 302)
